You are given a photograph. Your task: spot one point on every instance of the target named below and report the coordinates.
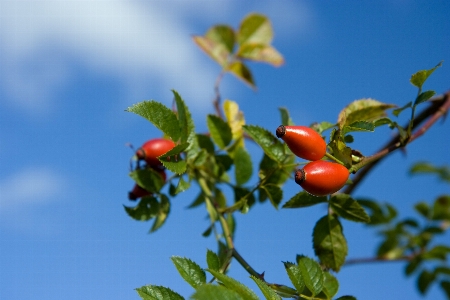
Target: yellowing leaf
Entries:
(235, 118)
(255, 28)
(240, 70)
(363, 110)
(261, 53)
(215, 50)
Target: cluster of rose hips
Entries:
(149, 153)
(318, 177)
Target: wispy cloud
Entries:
(144, 45)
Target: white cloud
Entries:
(29, 188)
(146, 45)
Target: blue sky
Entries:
(68, 69)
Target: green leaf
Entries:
(270, 171)
(379, 214)
(162, 117)
(223, 35)
(321, 127)
(339, 148)
(441, 208)
(425, 96)
(190, 271)
(243, 166)
(242, 72)
(396, 112)
(304, 199)
(330, 285)
(267, 291)
(234, 285)
(445, 286)
(363, 110)
(215, 292)
(274, 192)
(312, 274)
(423, 208)
(163, 212)
(359, 126)
(285, 117)
(220, 131)
(154, 292)
(235, 119)
(329, 242)
(261, 53)
(268, 142)
(255, 29)
(205, 143)
(212, 260)
(186, 125)
(419, 78)
(148, 179)
(437, 252)
(172, 160)
(295, 275)
(427, 168)
(182, 186)
(146, 209)
(424, 281)
(348, 208)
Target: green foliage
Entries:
(230, 181)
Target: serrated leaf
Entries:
(329, 242)
(304, 199)
(359, 126)
(285, 117)
(276, 175)
(220, 131)
(255, 29)
(243, 167)
(274, 192)
(425, 96)
(182, 186)
(267, 291)
(348, 208)
(146, 209)
(154, 292)
(242, 72)
(268, 142)
(159, 115)
(419, 78)
(148, 179)
(212, 260)
(186, 125)
(215, 292)
(191, 272)
(234, 285)
(163, 212)
(312, 274)
(295, 276)
(330, 285)
(235, 119)
(261, 53)
(363, 110)
(172, 159)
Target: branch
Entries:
(438, 107)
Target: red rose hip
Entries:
(137, 193)
(303, 141)
(152, 149)
(321, 178)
